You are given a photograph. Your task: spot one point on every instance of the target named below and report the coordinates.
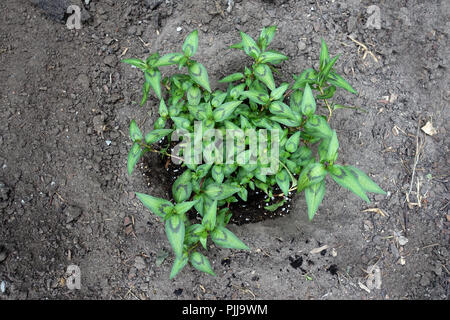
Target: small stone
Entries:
(139, 263)
(179, 29)
(301, 45)
(83, 80)
(110, 60)
(72, 213)
(108, 41)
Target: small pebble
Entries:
(3, 287)
(179, 29)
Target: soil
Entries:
(66, 198)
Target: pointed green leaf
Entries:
(338, 81)
(293, 142)
(309, 76)
(264, 74)
(314, 196)
(275, 206)
(308, 105)
(178, 265)
(250, 46)
(295, 100)
(182, 187)
(194, 95)
(135, 132)
(158, 206)
(159, 123)
(168, 59)
(217, 173)
(190, 45)
(175, 231)
(278, 92)
(153, 76)
(333, 147)
(266, 36)
(256, 96)
(156, 135)
(133, 157)
(136, 62)
(287, 122)
(272, 57)
(163, 111)
(199, 74)
(184, 207)
(283, 181)
(209, 218)
(224, 238)
(281, 109)
(366, 183)
(346, 179)
(324, 56)
(310, 175)
(232, 77)
(201, 263)
(318, 127)
(326, 70)
(145, 91)
(222, 112)
(220, 191)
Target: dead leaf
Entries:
(429, 129)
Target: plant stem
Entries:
(328, 105)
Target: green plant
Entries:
(252, 101)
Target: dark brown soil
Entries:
(66, 198)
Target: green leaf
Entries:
(283, 181)
(324, 56)
(326, 70)
(178, 265)
(153, 76)
(181, 123)
(158, 206)
(135, 132)
(199, 74)
(151, 60)
(338, 81)
(220, 191)
(287, 122)
(346, 179)
(366, 183)
(159, 123)
(250, 46)
(278, 92)
(281, 109)
(272, 57)
(217, 173)
(309, 76)
(314, 196)
(136, 62)
(201, 263)
(194, 95)
(327, 93)
(295, 100)
(308, 105)
(133, 157)
(275, 206)
(333, 147)
(209, 218)
(318, 127)
(168, 59)
(190, 45)
(183, 207)
(145, 91)
(266, 36)
(232, 77)
(156, 135)
(256, 96)
(175, 231)
(264, 74)
(182, 187)
(225, 110)
(293, 142)
(224, 238)
(310, 175)
(163, 111)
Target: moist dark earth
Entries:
(66, 198)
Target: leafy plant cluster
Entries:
(252, 100)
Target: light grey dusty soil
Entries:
(66, 198)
